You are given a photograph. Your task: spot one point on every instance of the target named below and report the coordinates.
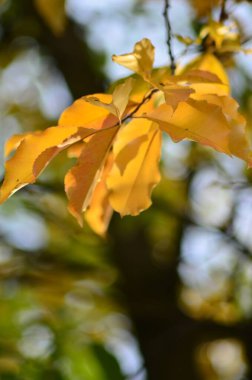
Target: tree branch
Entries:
(223, 14)
(169, 35)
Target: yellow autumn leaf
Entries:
(75, 150)
(208, 62)
(196, 76)
(120, 99)
(129, 152)
(140, 60)
(81, 180)
(99, 211)
(174, 94)
(131, 189)
(199, 121)
(84, 114)
(178, 88)
(239, 144)
(13, 142)
(53, 13)
(34, 153)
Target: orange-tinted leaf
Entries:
(179, 88)
(239, 144)
(191, 76)
(84, 114)
(13, 142)
(175, 94)
(140, 60)
(34, 153)
(99, 211)
(75, 150)
(81, 180)
(194, 120)
(131, 188)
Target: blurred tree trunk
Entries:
(150, 290)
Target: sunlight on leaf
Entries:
(120, 99)
(27, 162)
(140, 60)
(198, 121)
(81, 180)
(130, 192)
(99, 211)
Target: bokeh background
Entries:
(168, 294)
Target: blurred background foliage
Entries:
(168, 294)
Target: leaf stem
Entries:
(169, 35)
(130, 115)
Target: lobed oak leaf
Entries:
(130, 188)
(81, 180)
(140, 60)
(34, 153)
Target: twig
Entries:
(223, 14)
(169, 35)
(144, 100)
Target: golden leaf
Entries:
(130, 190)
(194, 120)
(99, 211)
(34, 153)
(13, 142)
(208, 62)
(81, 180)
(120, 99)
(239, 144)
(84, 114)
(178, 88)
(140, 60)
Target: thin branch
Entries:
(169, 35)
(144, 100)
(223, 14)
